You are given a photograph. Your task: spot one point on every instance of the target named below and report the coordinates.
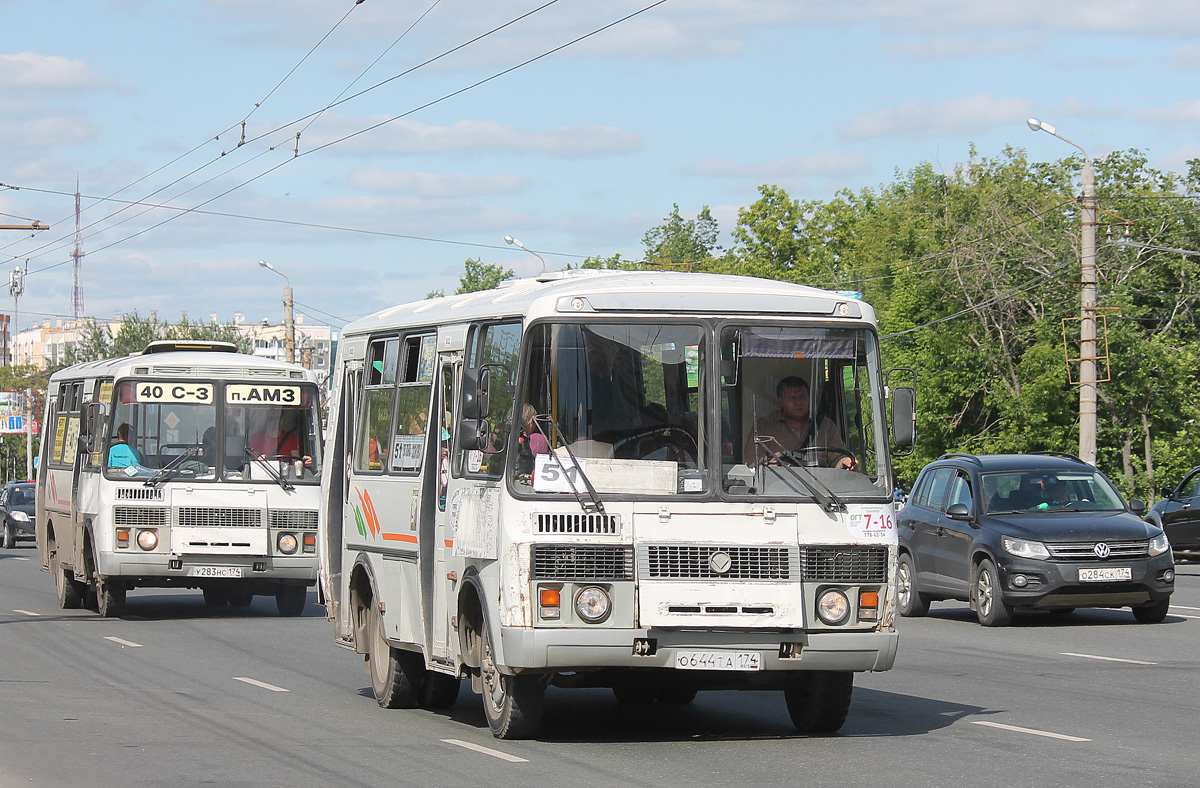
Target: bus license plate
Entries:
(215, 571)
(718, 660)
(1106, 574)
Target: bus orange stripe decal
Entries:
(399, 538)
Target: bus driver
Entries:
(790, 431)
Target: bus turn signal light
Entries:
(549, 599)
(868, 605)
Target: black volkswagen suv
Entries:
(1044, 531)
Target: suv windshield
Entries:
(1042, 490)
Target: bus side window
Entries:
(498, 346)
(379, 401)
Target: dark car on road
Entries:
(1178, 514)
(16, 506)
(1043, 531)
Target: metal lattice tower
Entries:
(77, 256)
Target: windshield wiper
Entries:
(164, 473)
(274, 474)
(596, 504)
(824, 496)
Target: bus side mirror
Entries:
(904, 416)
(476, 395)
(473, 434)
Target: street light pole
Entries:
(288, 322)
(508, 239)
(1087, 300)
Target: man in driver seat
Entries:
(790, 432)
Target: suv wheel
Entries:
(911, 602)
(1152, 613)
(990, 606)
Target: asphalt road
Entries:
(178, 695)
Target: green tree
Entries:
(681, 244)
(478, 275)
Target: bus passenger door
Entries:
(439, 542)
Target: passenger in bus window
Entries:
(122, 454)
(281, 438)
(790, 432)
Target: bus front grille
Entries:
(578, 523)
(582, 562)
(844, 564)
(292, 520)
(139, 494)
(139, 517)
(214, 517)
(717, 562)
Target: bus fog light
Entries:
(833, 607)
(147, 539)
(592, 604)
(287, 543)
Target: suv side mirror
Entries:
(1137, 506)
(1166, 492)
(959, 511)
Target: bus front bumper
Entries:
(193, 569)
(579, 649)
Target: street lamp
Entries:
(1087, 300)
(508, 239)
(288, 322)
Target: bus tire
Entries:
(110, 597)
(391, 684)
(438, 690)
(70, 590)
(290, 600)
(512, 703)
(818, 700)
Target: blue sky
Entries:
(695, 102)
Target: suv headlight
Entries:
(1024, 548)
(1159, 545)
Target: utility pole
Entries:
(16, 286)
(1088, 298)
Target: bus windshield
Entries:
(215, 431)
(624, 400)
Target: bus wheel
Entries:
(438, 690)
(389, 681)
(215, 597)
(290, 600)
(70, 590)
(110, 597)
(818, 700)
(512, 703)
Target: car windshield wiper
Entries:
(274, 474)
(823, 495)
(167, 471)
(596, 504)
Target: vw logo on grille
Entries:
(1101, 550)
(719, 562)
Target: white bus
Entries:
(189, 465)
(632, 544)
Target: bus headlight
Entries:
(287, 543)
(147, 539)
(833, 607)
(593, 604)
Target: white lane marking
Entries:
(262, 684)
(18, 558)
(26, 612)
(123, 642)
(1183, 607)
(1106, 659)
(1032, 731)
(486, 751)
(1181, 615)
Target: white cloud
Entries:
(31, 72)
(46, 130)
(424, 184)
(955, 48)
(958, 117)
(1184, 58)
(822, 164)
(406, 137)
(1186, 112)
